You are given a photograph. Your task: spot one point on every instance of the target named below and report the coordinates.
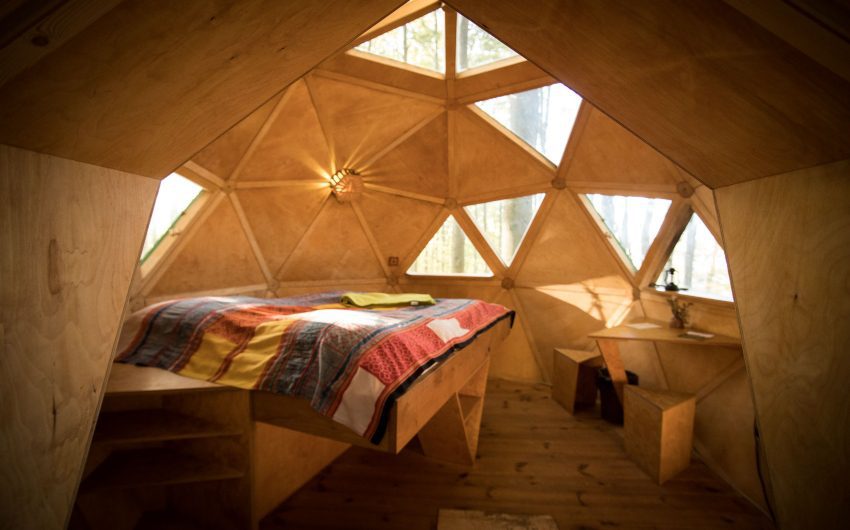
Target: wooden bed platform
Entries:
(225, 457)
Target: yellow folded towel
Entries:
(385, 299)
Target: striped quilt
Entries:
(351, 364)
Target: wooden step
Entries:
(155, 467)
(153, 425)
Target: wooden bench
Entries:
(574, 377)
(658, 429)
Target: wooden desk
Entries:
(608, 341)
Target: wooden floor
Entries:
(533, 458)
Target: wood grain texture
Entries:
(70, 236)
(293, 147)
(789, 272)
(533, 458)
(362, 67)
(652, 66)
(148, 85)
(216, 255)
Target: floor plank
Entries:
(533, 458)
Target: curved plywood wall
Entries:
(275, 228)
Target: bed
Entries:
(374, 377)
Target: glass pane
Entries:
(450, 253)
(633, 222)
(543, 117)
(175, 195)
(418, 43)
(476, 47)
(700, 263)
(504, 223)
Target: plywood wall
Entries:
(70, 238)
(789, 270)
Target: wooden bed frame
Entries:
(247, 450)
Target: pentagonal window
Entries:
(699, 263)
(175, 195)
(476, 47)
(504, 223)
(450, 253)
(418, 43)
(631, 223)
(543, 117)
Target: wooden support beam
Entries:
(303, 237)
(161, 264)
(252, 240)
(533, 232)
(533, 154)
(480, 242)
(224, 291)
(390, 89)
(721, 377)
(583, 116)
(501, 78)
(408, 12)
(324, 122)
(258, 138)
(365, 70)
(404, 193)
(373, 243)
(423, 240)
(507, 193)
(672, 227)
(292, 184)
(451, 53)
(544, 367)
(207, 177)
(401, 138)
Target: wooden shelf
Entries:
(154, 425)
(155, 467)
(662, 333)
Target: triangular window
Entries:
(450, 253)
(476, 47)
(542, 117)
(174, 197)
(699, 262)
(420, 42)
(504, 223)
(631, 222)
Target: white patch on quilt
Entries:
(358, 403)
(447, 329)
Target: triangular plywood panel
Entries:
(608, 153)
(360, 121)
(222, 156)
(294, 146)
(397, 222)
(280, 216)
(419, 164)
(679, 361)
(217, 255)
(562, 318)
(334, 247)
(485, 159)
(570, 251)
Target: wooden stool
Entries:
(659, 430)
(574, 377)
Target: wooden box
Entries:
(658, 429)
(574, 377)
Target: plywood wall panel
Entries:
(723, 429)
(569, 251)
(689, 368)
(488, 160)
(672, 72)
(294, 146)
(224, 153)
(610, 154)
(787, 242)
(149, 84)
(279, 217)
(419, 164)
(217, 255)
(397, 222)
(361, 121)
(334, 247)
(70, 237)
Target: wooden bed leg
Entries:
(452, 434)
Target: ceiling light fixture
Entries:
(346, 184)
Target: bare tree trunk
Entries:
(462, 43)
(690, 248)
(458, 257)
